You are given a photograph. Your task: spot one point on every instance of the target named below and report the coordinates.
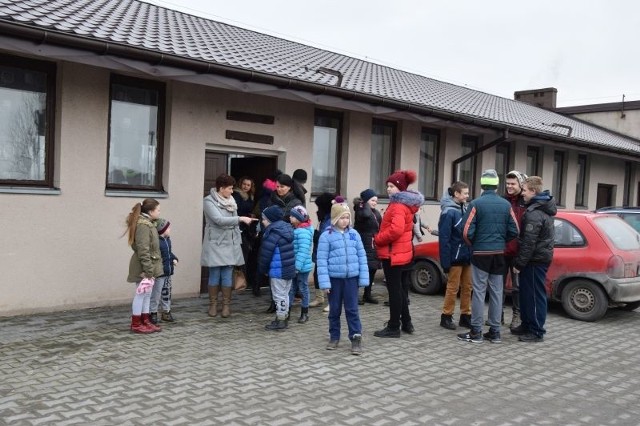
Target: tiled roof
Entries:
(141, 25)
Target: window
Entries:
(581, 181)
(558, 177)
(383, 135)
(628, 186)
(467, 169)
(533, 159)
(327, 132)
(567, 235)
(27, 90)
(136, 134)
(429, 147)
(503, 154)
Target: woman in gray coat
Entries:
(221, 245)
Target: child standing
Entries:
(162, 287)
(146, 261)
(277, 259)
(342, 267)
(302, 242)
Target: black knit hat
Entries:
(273, 213)
(300, 175)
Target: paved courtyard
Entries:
(84, 367)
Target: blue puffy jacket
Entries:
(277, 258)
(453, 250)
(302, 242)
(488, 224)
(341, 255)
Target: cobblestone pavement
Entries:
(85, 367)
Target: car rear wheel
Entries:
(584, 300)
(631, 306)
(425, 278)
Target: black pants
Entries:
(398, 288)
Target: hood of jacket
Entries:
(410, 198)
(545, 202)
(448, 203)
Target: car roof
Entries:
(621, 209)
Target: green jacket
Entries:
(146, 260)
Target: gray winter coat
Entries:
(221, 242)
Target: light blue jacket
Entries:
(302, 242)
(341, 255)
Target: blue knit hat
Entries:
(367, 194)
(273, 213)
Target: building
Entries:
(106, 102)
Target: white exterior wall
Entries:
(629, 125)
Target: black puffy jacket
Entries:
(537, 232)
(367, 223)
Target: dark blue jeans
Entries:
(344, 291)
(533, 298)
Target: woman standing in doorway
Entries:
(221, 246)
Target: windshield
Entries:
(623, 236)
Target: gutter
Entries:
(43, 36)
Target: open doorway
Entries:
(257, 167)
(605, 196)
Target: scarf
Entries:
(228, 204)
(243, 194)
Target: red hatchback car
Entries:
(596, 265)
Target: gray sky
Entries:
(587, 49)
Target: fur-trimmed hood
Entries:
(410, 198)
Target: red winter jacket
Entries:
(518, 206)
(394, 240)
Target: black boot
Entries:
(446, 321)
(408, 328)
(304, 315)
(465, 321)
(153, 317)
(276, 325)
(368, 298)
(272, 307)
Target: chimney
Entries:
(543, 98)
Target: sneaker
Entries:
(325, 309)
(530, 338)
(470, 337)
(408, 328)
(167, 317)
(515, 320)
(303, 318)
(387, 332)
(518, 331)
(356, 344)
(492, 336)
(332, 345)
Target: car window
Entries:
(618, 232)
(567, 235)
(632, 219)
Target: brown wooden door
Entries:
(215, 163)
(605, 195)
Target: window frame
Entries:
(331, 115)
(436, 162)
(557, 190)
(160, 131)
(50, 69)
(382, 193)
(468, 138)
(504, 149)
(581, 186)
(536, 166)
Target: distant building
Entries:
(543, 98)
(621, 117)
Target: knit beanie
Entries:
(402, 179)
(520, 177)
(162, 225)
(299, 213)
(337, 210)
(367, 194)
(489, 178)
(300, 175)
(273, 213)
(285, 180)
